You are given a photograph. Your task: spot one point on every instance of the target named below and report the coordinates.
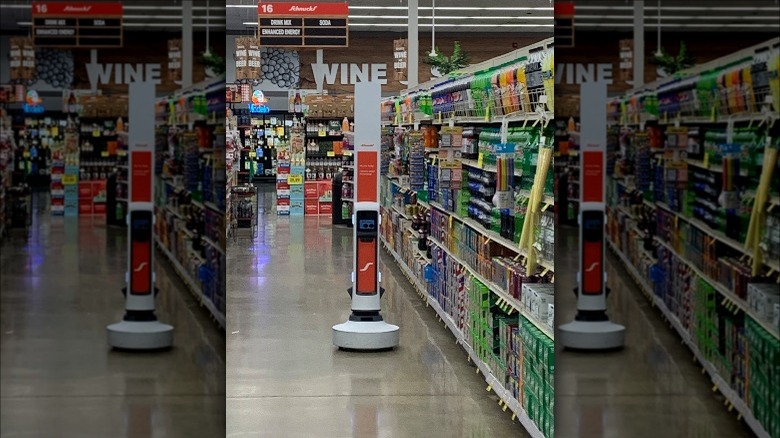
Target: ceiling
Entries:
(153, 15)
(681, 15)
(507, 16)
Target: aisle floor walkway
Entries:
(59, 288)
(650, 389)
(286, 289)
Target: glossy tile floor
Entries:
(59, 288)
(286, 289)
(652, 388)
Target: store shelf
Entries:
(723, 290)
(191, 284)
(214, 244)
(717, 380)
(347, 199)
(491, 380)
(492, 235)
(498, 291)
(736, 245)
(487, 167)
(399, 211)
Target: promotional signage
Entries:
(258, 104)
(21, 61)
(33, 104)
(564, 24)
(303, 24)
(400, 55)
(141, 176)
(87, 25)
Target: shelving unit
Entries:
(190, 224)
(473, 275)
(681, 223)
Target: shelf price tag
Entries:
(122, 153)
(69, 179)
(295, 179)
(331, 154)
(487, 114)
(347, 153)
(104, 154)
(480, 159)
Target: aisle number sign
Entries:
(564, 24)
(303, 24)
(77, 24)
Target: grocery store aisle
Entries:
(652, 388)
(284, 378)
(59, 289)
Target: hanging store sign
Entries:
(86, 25)
(21, 61)
(248, 57)
(627, 60)
(303, 24)
(400, 58)
(174, 60)
(564, 24)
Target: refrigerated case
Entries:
(260, 136)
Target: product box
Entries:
(297, 208)
(85, 189)
(311, 206)
(297, 191)
(85, 209)
(283, 210)
(311, 190)
(326, 208)
(99, 209)
(283, 193)
(324, 188)
(98, 187)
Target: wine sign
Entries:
(248, 58)
(22, 59)
(69, 25)
(301, 24)
(174, 60)
(400, 55)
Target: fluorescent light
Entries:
(254, 23)
(128, 7)
(677, 8)
(170, 17)
(452, 25)
(680, 17)
(677, 25)
(404, 17)
(456, 8)
(172, 25)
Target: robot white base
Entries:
(591, 335)
(136, 335)
(372, 335)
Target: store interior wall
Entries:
(140, 47)
(377, 48)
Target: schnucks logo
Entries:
(84, 8)
(296, 8)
